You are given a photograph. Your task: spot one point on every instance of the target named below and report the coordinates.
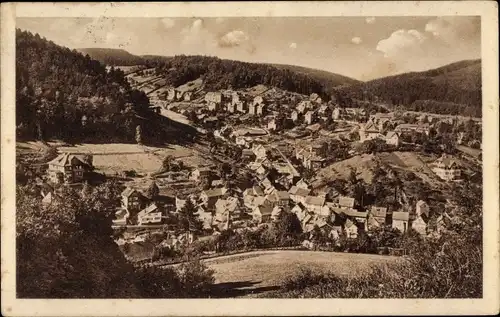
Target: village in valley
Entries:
(218, 176)
(267, 151)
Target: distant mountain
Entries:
(112, 56)
(451, 89)
(321, 75)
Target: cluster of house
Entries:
(137, 208)
(174, 94)
(377, 123)
(236, 102)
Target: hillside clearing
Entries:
(113, 158)
(255, 273)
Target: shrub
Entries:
(304, 278)
(196, 279)
(190, 280)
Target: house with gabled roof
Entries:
(262, 212)
(228, 207)
(377, 217)
(447, 168)
(205, 217)
(310, 117)
(213, 97)
(351, 229)
(303, 106)
(230, 107)
(70, 168)
(336, 113)
(392, 138)
(316, 204)
(279, 198)
(122, 217)
(357, 216)
(201, 173)
(302, 184)
(346, 202)
(369, 131)
(400, 220)
(252, 109)
(132, 200)
(210, 197)
(298, 194)
(422, 208)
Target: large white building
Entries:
(447, 168)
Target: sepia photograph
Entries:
(250, 157)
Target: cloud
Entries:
(196, 39)
(370, 20)
(168, 23)
(453, 30)
(104, 32)
(220, 20)
(356, 40)
(400, 42)
(233, 39)
(293, 45)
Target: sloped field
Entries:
(255, 273)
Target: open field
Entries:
(255, 273)
(363, 164)
(116, 157)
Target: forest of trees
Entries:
(63, 94)
(220, 74)
(451, 89)
(113, 56)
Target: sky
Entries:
(363, 48)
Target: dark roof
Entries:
(65, 159)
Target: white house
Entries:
(272, 125)
(351, 229)
(392, 138)
(369, 132)
(316, 204)
(400, 220)
(422, 208)
(149, 215)
(310, 117)
(214, 97)
(447, 168)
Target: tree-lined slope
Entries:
(451, 89)
(63, 94)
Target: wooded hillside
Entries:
(451, 89)
(63, 94)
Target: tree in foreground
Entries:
(66, 250)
